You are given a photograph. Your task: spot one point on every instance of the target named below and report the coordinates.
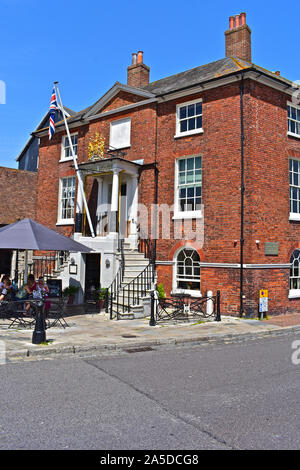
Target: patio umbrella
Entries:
(29, 235)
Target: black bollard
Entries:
(152, 321)
(218, 316)
(39, 334)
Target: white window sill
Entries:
(111, 149)
(193, 293)
(293, 135)
(294, 216)
(294, 294)
(187, 134)
(65, 222)
(66, 159)
(187, 215)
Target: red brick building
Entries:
(219, 145)
(18, 194)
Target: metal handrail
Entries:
(113, 289)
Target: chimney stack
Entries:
(138, 73)
(238, 38)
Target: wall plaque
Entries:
(271, 248)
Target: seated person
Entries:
(6, 290)
(44, 289)
(30, 287)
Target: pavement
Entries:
(92, 334)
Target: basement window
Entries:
(293, 112)
(189, 118)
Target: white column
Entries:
(134, 204)
(99, 205)
(115, 190)
(134, 212)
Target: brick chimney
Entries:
(238, 38)
(138, 73)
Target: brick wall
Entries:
(18, 192)
(267, 148)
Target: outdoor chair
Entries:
(56, 313)
(16, 312)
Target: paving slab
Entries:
(92, 333)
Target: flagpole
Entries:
(80, 182)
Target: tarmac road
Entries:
(229, 396)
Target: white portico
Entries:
(114, 211)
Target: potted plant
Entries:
(70, 292)
(102, 293)
(161, 293)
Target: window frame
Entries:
(178, 213)
(60, 220)
(178, 120)
(294, 293)
(294, 215)
(112, 123)
(63, 147)
(175, 288)
(297, 107)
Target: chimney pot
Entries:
(238, 38)
(134, 58)
(277, 72)
(243, 18)
(140, 57)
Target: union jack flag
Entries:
(53, 108)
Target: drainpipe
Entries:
(156, 186)
(242, 199)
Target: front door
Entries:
(123, 211)
(92, 275)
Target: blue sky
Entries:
(87, 46)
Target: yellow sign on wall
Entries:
(263, 293)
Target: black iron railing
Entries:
(181, 308)
(147, 247)
(47, 266)
(113, 289)
(131, 294)
(121, 299)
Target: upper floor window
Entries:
(294, 170)
(293, 112)
(66, 153)
(188, 187)
(120, 133)
(66, 201)
(189, 118)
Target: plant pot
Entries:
(101, 304)
(71, 299)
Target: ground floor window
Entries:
(295, 272)
(66, 199)
(188, 270)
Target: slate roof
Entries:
(189, 78)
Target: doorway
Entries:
(92, 275)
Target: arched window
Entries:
(188, 270)
(295, 271)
